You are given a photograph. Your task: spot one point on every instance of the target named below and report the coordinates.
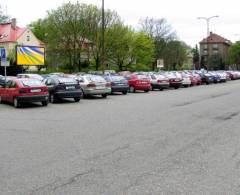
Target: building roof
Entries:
(10, 34)
(214, 38)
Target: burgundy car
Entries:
(23, 90)
(138, 82)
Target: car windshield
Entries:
(31, 83)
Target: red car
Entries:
(23, 90)
(138, 82)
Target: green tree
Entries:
(143, 51)
(119, 41)
(234, 55)
(196, 57)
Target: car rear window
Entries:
(142, 77)
(96, 79)
(118, 78)
(31, 83)
(66, 80)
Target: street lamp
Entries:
(207, 19)
(103, 32)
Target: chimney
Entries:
(14, 23)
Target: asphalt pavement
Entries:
(169, 142)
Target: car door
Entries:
(12, 91)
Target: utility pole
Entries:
(103, 40)
(207, 19)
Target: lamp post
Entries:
(207, 19)
(103, 34)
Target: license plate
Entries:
(70, 87)
(35, 90)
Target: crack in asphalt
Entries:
(59, 183)
(228, 116)
(127, 146)
(201, 100)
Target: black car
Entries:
(118, 83)
(63, 87)
(206, 78)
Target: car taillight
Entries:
(91, 85)
(108, 85)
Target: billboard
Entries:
(30, 55)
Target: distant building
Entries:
(214, 52)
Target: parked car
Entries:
(222, 75)
(186, 80)
(63, 87)
(158, 81)
(139, 82)
(23, 90)
(94, 85)
(206, 78)
(216, 77)
(233, 75)
(118, 83)
(32, 76)
(175, 79)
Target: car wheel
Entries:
(52, 99)
(16, 103)
(76, 99)
(45, 103)
(176, 87)
(124, 92)
(146, 91)
(104, 95)
(132, 90)
(161, 89)
(0, 99)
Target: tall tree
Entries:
(161, 32)
(234, 55)
(196, 57)
(119, 40)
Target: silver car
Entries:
(94, 85)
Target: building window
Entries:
(205, 52)
(28, 37)
(215, 51)
(205, 46)
(215, 46)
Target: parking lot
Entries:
(182, 141)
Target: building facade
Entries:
(214, 52)
(12, 35)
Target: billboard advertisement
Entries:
(30, 55)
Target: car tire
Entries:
(124, 92)
(176, 87)
(44, 103)
(77, 99)
(161, 89)
(0, 99)
(146, 91)
(16, 103)
(132, 90)
(52, 99)
(104, 95)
